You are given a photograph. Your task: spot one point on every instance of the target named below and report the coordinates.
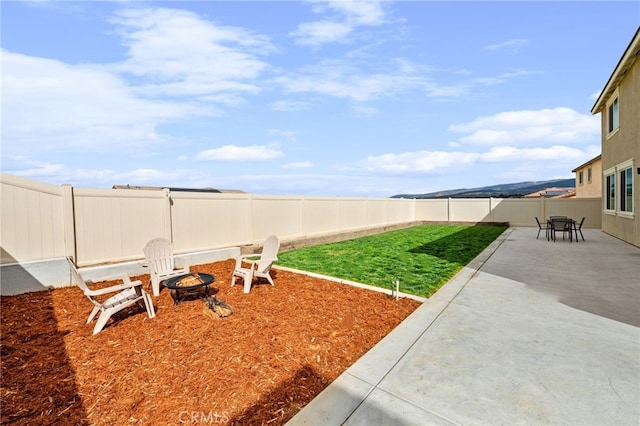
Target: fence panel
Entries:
(279, 215)
(31, 226)
(577, 208)
(469, 210)
(204, 221)
(320, 216)
(518, 211)
(113, 225)
(400, 211)
(377, 212)
(352, 214)
(434, 210)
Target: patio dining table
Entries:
(562, 224)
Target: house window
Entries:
(626, 190)
(610, 186)
(613, 115)
(580, 177)
(589, 175)
(618, 185)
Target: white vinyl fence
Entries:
(101, 226)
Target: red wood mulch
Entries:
(281, 347)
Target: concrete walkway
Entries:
(532, 332)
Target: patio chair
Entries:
(127, 294)
(161, 262)
(579, 229)
(544, 228)
(561, 224)
(258, 268)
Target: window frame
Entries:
(613, 114)
(618, 180)
(581, 177)
(625, 169)
(609, 199)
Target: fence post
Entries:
(250, 225)
(301, 224)
(168, 215)
(338, 212)
(69, 222)
(449, 210)
(491, 210)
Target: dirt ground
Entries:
(281, 347)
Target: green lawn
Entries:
(423, 257)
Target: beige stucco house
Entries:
(589, 178)
(619, 106)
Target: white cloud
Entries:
(501, 78)
(240, 153)
(342, 80)
(321, 32)
(286, 134)
(347, 16)
(437, 162)
(289, 106)
(142, 175)
(419, 161)
(48, 105)
(364, 82)
(59, 173)
(37, 169)
(513, 45)
(298, 165)
(358, 12)
(542, 127)
(313, 184)
(184, 54)
(552, 153)
(364, 111)
(453, 91)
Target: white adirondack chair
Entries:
(161, 262)
(259, 268)
(127, 293)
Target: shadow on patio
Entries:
(38, 382)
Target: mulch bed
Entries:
(281, 347)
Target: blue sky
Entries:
(334, 98)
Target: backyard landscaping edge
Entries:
(338, 401)
(353, 283)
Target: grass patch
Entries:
(422, 257)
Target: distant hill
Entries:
(507, 190)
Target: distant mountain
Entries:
(507, 190)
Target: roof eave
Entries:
(626, 61)
(593, 160)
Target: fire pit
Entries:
(189, 284)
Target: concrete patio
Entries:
(531, 332)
